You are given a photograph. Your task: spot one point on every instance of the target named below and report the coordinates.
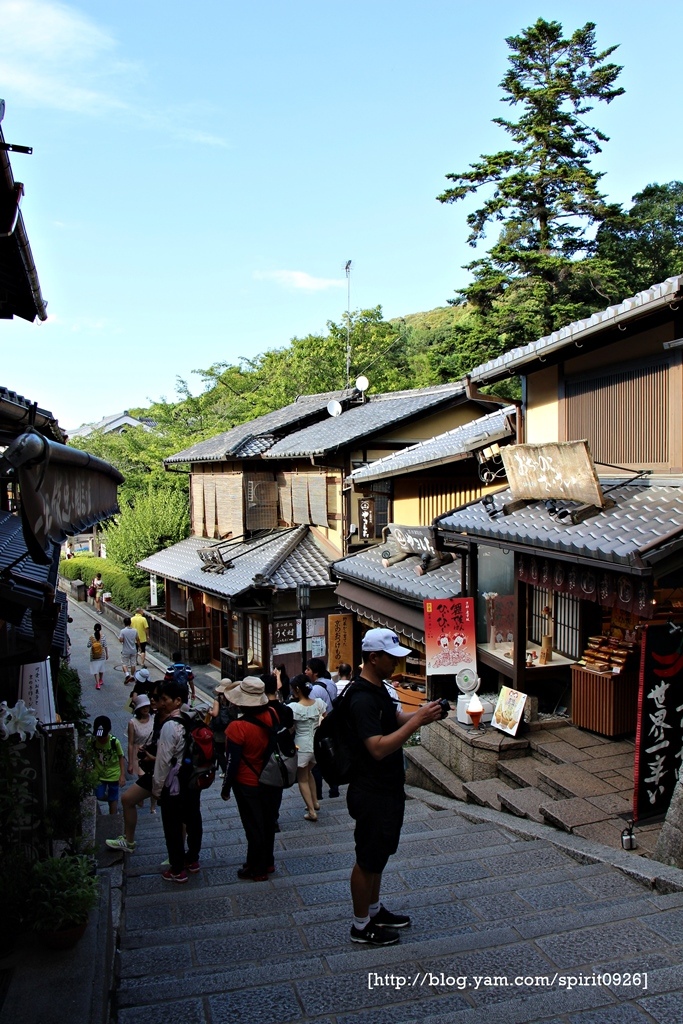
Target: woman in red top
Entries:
(247, 742)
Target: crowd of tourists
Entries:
(245, 717)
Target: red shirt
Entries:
(254, 742)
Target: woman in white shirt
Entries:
(308, 714)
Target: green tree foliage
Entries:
(542, 191)
(156, 521)
(644, 245)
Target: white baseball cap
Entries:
(384, 640)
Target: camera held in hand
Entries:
(445, 708)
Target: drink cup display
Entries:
(475, 717)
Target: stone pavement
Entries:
(493, 898)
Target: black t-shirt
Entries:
(283, 712)
(372, 712)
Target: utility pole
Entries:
(348, 323)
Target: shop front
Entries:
(387, 586)
(561, 608)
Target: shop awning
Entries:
(382, 611)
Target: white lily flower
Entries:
(19, 719)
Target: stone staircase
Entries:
(562, 776)
(488, 902)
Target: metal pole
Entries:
(348, 323)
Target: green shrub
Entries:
(123, 593)
(69, 699)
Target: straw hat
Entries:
(249, 693)
(225, 685)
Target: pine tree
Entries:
(544, 192)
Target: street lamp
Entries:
(303, 599)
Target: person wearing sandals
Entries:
(97, 644)
(308, 714)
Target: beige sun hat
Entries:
(249, 693)
(225, 685)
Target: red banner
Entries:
(450, 638)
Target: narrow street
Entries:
(545, 922)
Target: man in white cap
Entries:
(376, 797)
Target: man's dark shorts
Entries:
(142, 644)
(379, 817)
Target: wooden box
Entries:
(603, 702)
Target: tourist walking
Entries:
(97, 644)
(222, 714)
(140, 623)
(108, 763)
(180, 803)
(308, 713)
(129, 650)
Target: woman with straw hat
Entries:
(248, 742)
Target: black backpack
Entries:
(279, 768)
(335, 742)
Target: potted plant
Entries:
(62, 893)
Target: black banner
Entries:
(659, 732)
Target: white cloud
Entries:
(299, 279)
(55, 57)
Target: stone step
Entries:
(427, 772)
(524, 802)
(568, 780)
(486, 792)
(519, 773)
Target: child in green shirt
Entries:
(108, 763)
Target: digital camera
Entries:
(445, 708)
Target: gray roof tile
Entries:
(263, 429)
(282, 558)
(645, 515)
(647, 301)
(360, 421)
(399, 580)
(443, 448)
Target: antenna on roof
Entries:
(334, 408)
(347, 271)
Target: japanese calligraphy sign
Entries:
(559, 469)
(366, 511)
(340, 639)
(659, 731)
(285, 631)
(35, 689)
(450, 640)
(414, 540)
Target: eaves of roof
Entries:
(647, 518)
(18, 274)
(377, 413)
(443, 448)
(657, 297)
(276, 560)
(400, 580)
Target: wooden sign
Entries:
(284, 631)
(659, 729)
(559, 469)
(366, 507)
(414, 540)
(339, 640)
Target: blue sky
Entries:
(201, 173)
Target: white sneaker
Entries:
(121, 843)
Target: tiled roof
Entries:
(281, 558)
(399, 580)
(22, 581)
(359, 421)
(442, 448)
(647, 518)
(648, 301)
(263, 429)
